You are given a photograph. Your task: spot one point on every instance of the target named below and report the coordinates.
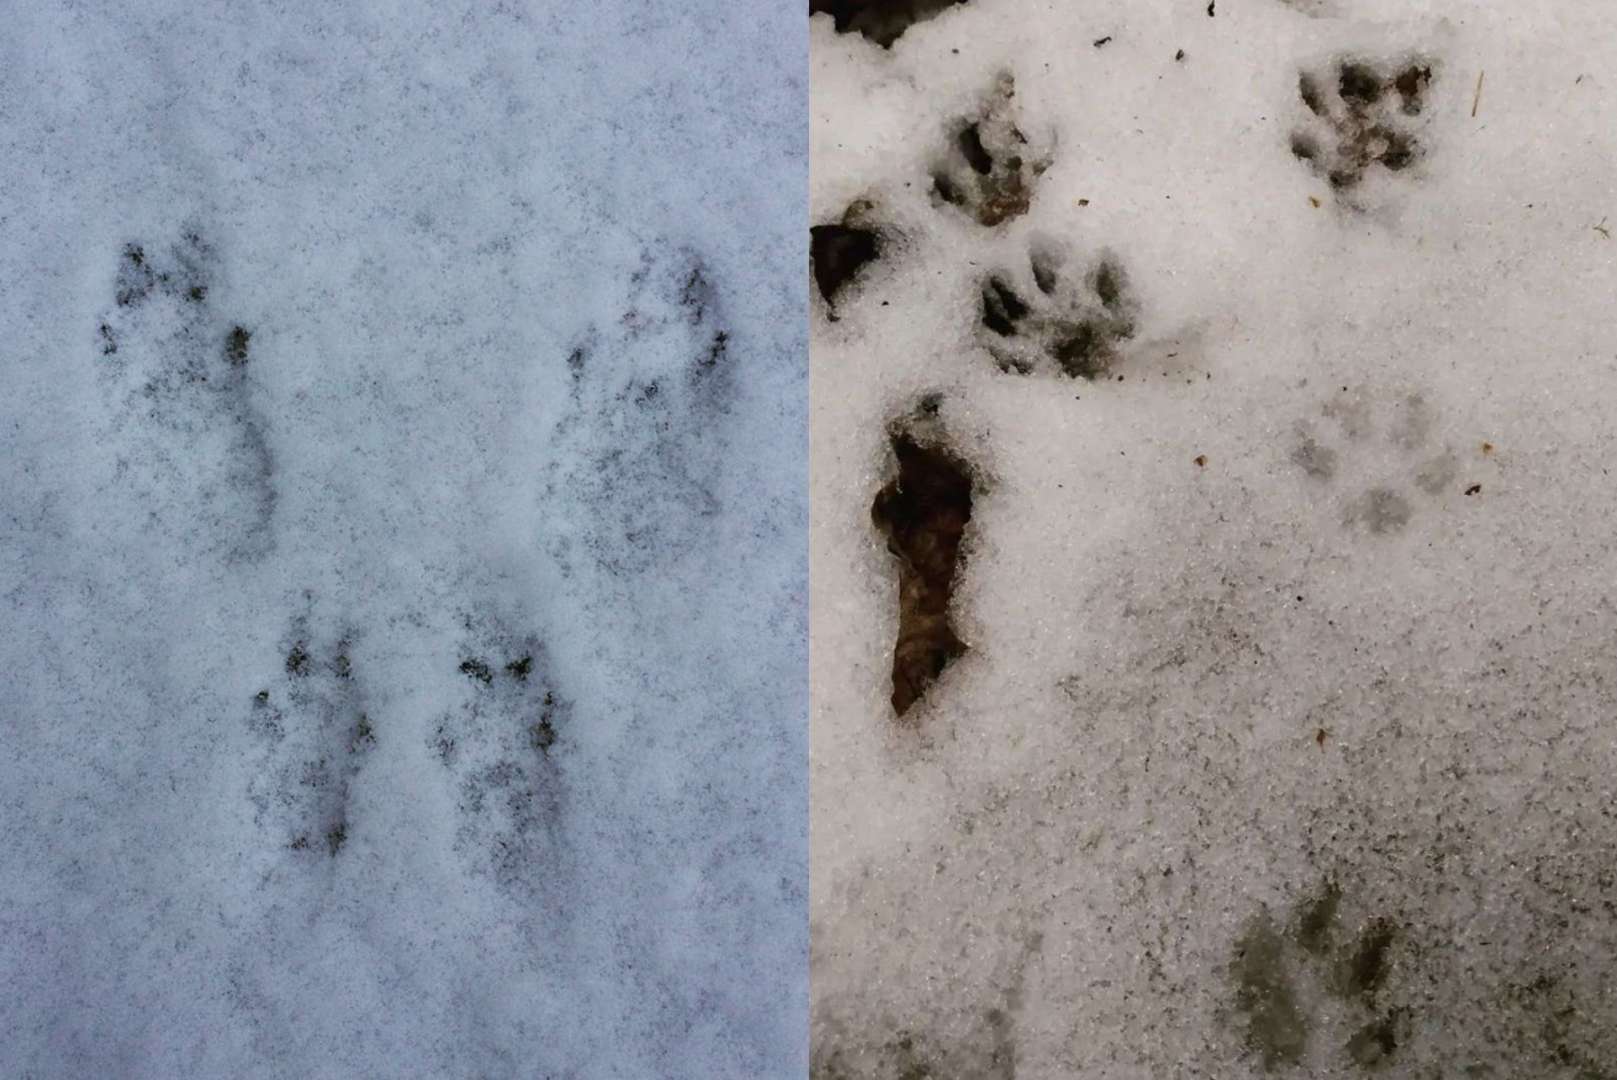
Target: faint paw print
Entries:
(1282, 973)
(500, 749)
(1071, 319)
(1358, 435)
(317, 733)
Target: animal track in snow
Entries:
(1361, 115)
(191, 442)
(1357, 430)
(1282, 976)
(316, 733)
(499, 749)
(989, 170)
(644, 439)
(1072, 320)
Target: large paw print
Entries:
(499, 749)
(1361, 115)
(1072, 319)
(1357, 434)
(1282, 974)
(989, 169)
(316, 733)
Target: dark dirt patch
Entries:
(838, 253)
(882, 21)
(923, 513)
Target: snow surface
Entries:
(402, 502)
(1285, 743)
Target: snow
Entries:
(1282, 742)
(403, 470)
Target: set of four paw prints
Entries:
(1056, 314)
(1062, 316)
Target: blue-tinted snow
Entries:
(402, 540)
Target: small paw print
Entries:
(498, 749)
(989, 170)
(316, 731)
(1358, 435)
(193, 441)
(1056, 315)
(1362, 115)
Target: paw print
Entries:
(989, 170)
(643, 443)
(1071, 319)
(192, 443)
(316, 734)
(1282, 973)
(1361, 115)
(1371, 432)
(499, 751)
